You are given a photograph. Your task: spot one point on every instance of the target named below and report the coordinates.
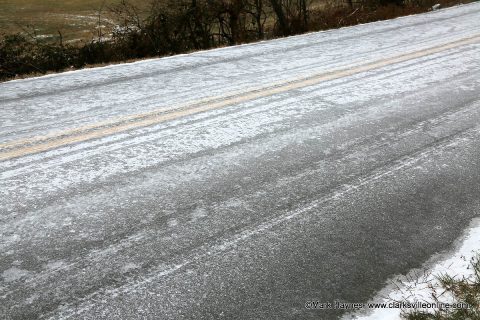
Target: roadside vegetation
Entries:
(453, 289)
(75, 19)
(168, 27)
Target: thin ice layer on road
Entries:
(36, 106)
(249, 209)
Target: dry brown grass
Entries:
(75, 19)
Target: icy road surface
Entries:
(240, 183)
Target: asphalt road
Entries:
(240, 183)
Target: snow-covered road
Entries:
(241, 182)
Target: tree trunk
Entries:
(282, 21)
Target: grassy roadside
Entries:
(453, 289)
(75, 19)
(169, 31)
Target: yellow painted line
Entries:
(33, 145)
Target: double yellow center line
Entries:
(19, 148)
